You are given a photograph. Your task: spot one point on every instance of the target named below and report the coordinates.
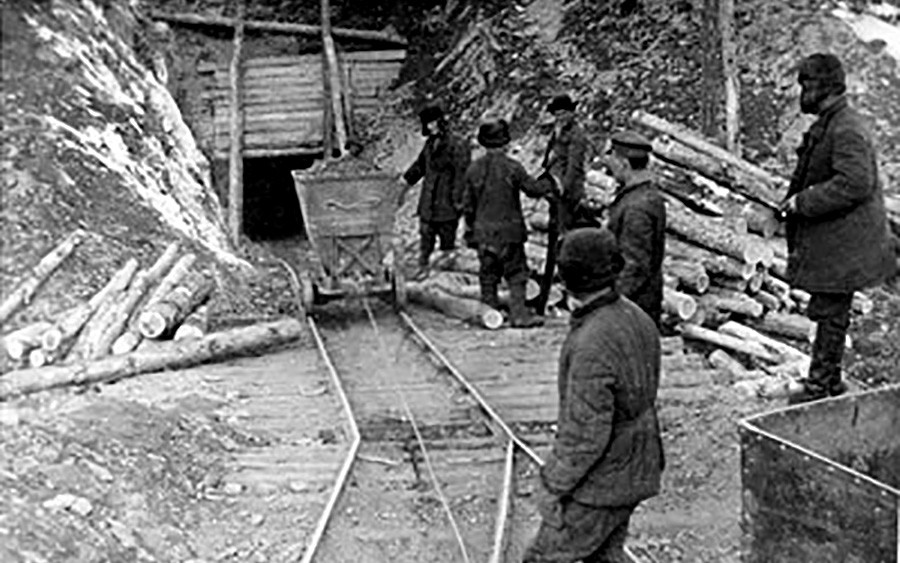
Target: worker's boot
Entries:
(519, 314)
(489, 294)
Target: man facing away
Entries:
(494, 221)
(607, 455)
(637, 218)
(836, 226)
(441, 165)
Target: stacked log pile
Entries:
(726, 259)
(134, 305)
(121, 329)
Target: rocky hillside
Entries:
(93, 140)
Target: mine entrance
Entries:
(271, 209)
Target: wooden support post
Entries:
(333, 79)
(711, 83)
(236, 157)
(729, 74)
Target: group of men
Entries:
(486, 193)
(607, 455)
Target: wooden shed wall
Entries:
(283, 98)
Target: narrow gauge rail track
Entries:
(433, 470)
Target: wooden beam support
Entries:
(276, 27)
(236, 158)
(333, 79)
(729, 73)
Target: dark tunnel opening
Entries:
(271, 207)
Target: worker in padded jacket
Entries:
(836, 226)
(494, 221)
(637, 217)
(441, 165)
(566, 158)
(607, 455)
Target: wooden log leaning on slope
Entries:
(166, 356)
(469, 310)
(195, 325)
(716, 265)
(732, 302)
(746, 178)
(462, 284)
(57, 340)
(132, 337)
(162, 318)
(129, 300)
(19, 343)
(690, 275)
(678, 304)
(26, 289)
(728, 342)
(82, 347)
(711, 235)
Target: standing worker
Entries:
(565, 160)
(607, 455)
(494, 221)
(441, 165)
(637, 218)
(836, 226)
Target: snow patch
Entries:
(871, 28)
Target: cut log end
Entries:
(492, 319)
(152, 324)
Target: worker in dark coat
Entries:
(607, 455)
(494, 221)
(637, 217)
(837, 232)
(566, 159)
(441, 166)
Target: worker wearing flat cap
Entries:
(836, 227)
(607, 454)
(494, 221)
(565, 159)
(637, 218)
(441, 165)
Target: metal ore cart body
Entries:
(821, 481)
(349, 219)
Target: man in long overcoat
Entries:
(836, 226)
(566, 159)
(607, 456)
(494, 221)
(637, 217)
(441, 165)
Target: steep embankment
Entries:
(93, 140)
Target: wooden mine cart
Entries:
(821, 482)
(349, 212)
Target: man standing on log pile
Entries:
(494, 222)
(565, 160)
(836, 225)
(607, 456)
(441, 165)
(637, 218)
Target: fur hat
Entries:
(631, 144)
(494, 134)
(824, 67)
(431, 112)
(589, 260)
(561, 102)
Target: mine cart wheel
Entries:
(307, 292)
